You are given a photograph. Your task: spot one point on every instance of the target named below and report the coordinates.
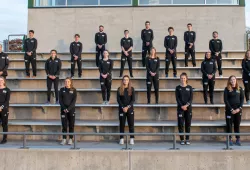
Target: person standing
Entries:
(76, 51)
(246, 74)
(189, 38)
(100, 41)
(4, 62)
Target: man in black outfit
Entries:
(30, 45)
(189, 38)
(126, 46)
(76, 51)
(147, 36)
(100, 41)
(170, 43)
(4, 63)
(215, 46)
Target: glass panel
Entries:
(82, 2)
(115, 2)
(152, 2)
(60, 2)
(189, 2)
(222, 2)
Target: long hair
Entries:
(71, 83)
(184, 74)
(153, 48)
(245, 57)
(1, 77)
(229, 85)
(53, 51)
(121, 89)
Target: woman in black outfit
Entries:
(126, 99)
(184, 98)
(234, 99)
(246, 74)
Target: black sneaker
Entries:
(212, 102)
(3, 141)
(131, 75)
(79, 76)
(238, 143)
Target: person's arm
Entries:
(166, 43)
(185, 38)
(80, 50)
(175, 43)
(7, 100)
(47, 67)
(131, 103)
(194, 38)
(6, 63)
(96, 39)
(25, 46)
(221, 46)
(71, 49)
(203, 69)
(152, 37)
(105, 39)
(58, 68)
(244, 68)
(211, 47)
(190, 97)
(158, 65)
(147, 65)
(142, 36)
(100, 67)
(214, 68)
(35, 46)
(241, 98)
(73, 102)
(61, 99)
(177, 96)
(121, 43)
(226, 100)
(119, 99)
(131, 45)
(110, 67)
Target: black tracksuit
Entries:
(152, 65)
(146, 36)
(233, 100)
(126, 100)
(208, 67)
(189, 37)
(53, 68)
(30, 45)
(100, 39)
(170, 42)
(4, 104)
(4, 64)
(215, 45)
(76, 50)
(106, 67)
(246, 76)
(67, 99)
(184, 96)
(126, 43)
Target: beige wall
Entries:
(55, 27)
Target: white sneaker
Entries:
(107, 103)
(70, 142)
(104, 102)
(121, 141)
(221, 76)
(63, 142)
(131, 141)
(248, 102)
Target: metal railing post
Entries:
(227, 144)
(24, 142)
(126, 142)
(174, 143)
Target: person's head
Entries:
(189, 26)
(106, 54)
(247, 55)
(2, 81)
(126, 83)
(68, 83)
(208, 55)
(31, 33)
(77, 37)
(1, 48)
(215, 34)
(184, 78)
(232, 83)
(152, 52)
(147, 24)
(126, 33)
(53, 53)
(101, 28)
(171, 30)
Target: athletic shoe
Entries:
(182, 142)
(186, 65)
(70, 142)
(131, 141)
(72, 76)
(48, 102)
(3, 141)
(104, 102)
(57, 102)
(187, 142)
(107, 102)
(248, 102)
(212, 102)
(63, 142)
(230, 142)
(121, 141)
(131, 76)
(175, 76)
(238, 143)
(167, 75)
(221, 76)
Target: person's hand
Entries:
(210, 76)
(147, 43)
(190, 45)
(104, 76)
(234, 112)
(75, 57)
(217, 54)
(51, 77)
(171, 51)
(1, 109)
(237, 110)
(1, 72)
(100, 46)
(184, 107)
(125, 109)
(126, 53)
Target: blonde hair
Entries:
(153, 48)
(229, 85)
(121, 89)
(71, 83)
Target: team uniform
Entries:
(215, 45)
(246, 77)
(189, 37)
(170, 42)
(106, 67)
(147, 35)
(76, 50)
(152, 65)
(100, 39)
(4, 64)
(30, 45)
(126, 43)
(53, 68)
(208, 67)
(126, 100)
(4, 104)
(67, 99)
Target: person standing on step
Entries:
(170, 43)
(152, 66)
(184, 98)
(30, 46)
(215, 46)
(4, 62)
(233, 99)
(189, 38)
(208, 69)
(53, 67)
(126, 99)
(246, 74)
(100, 41)
(76, 51)
(67, 99)
(4, 106)
(105, 69)
(127, 47)
(147, 36)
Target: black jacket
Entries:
(215, 45)
(245, 68)
(126, 43)
(4, 63)
(170, 42)
(76, 49)
(125, 100)
(147, 36)
(233, 99)
(184, 95)
(153, 65)
(208, 66)
(30, 45)
(67, 98)
(53, 67)
(100, 38)
(5, 98)
(189, 37)
(106, 67)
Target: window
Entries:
(189, 1)
(155, 2)
(82, 2)
(222, 1)
(115, 2)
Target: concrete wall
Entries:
(55, 27)
(123, 160)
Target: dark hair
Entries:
(101, 26)
(107, 51)
(150, 55)
(169, 28)
(121, 89)
(32, 31)
(245, 57)
(71, 82)
(215, 32)
(53, 50)
(77, 35)
(125, 31)
(189, 24)
(147, 22)
(184, 74)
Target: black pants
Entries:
(68, 118)
(184, 117)
(145, 51)
(233, 119)
(99, 51)
(188, 52)
(123, 61)
(170, 57)
(219, 62)
(122, 117)
(246, 82)
(208, 83)
(30, 59)
(4, 118)
(79, 65)
(49, 85)
(106, 87)
(153, 80)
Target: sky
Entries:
(13, 18)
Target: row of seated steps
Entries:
(28, 113)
